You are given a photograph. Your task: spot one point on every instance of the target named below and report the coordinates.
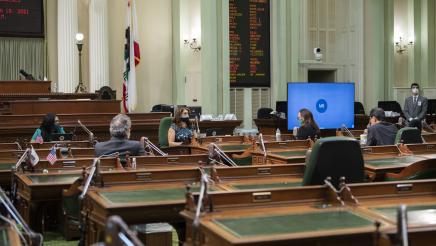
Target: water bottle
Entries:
(278, 135)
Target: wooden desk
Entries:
(429, 137)
(159, 196)
(37, 189)
(258, 177)
(34, 120)
(53, 96)
(60, 106)
(382, 159)
(22, 127)
(10, 146)
(25, 86)
(282, 152)
(227, 126)
(61, 153)
(309, 216)
(269, 126)
(67, 144)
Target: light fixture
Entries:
(401, 45)
(194, 45)
(79, 42)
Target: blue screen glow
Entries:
(332, 104)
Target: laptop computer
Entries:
(61, 137)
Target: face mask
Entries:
(415, 90)
(301, 121)
(184, 118)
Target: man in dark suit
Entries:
(380, 132)
(120, 133)
(415, 108)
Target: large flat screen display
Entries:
(332, 104)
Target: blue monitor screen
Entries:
(332, 104)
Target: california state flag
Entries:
(131, 58)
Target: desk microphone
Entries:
(345, 129)
(95, 169)
(90, 134)
(27, 76)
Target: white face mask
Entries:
(415, 91)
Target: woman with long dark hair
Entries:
(181, 130)
(308, 127)
(49, 125)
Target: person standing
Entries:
(415, 108)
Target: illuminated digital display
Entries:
(249, 31)
(21, 18)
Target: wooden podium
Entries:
(269, 126)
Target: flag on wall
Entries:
(131, 58)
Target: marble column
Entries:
(68, 58)
(98, 44)
(374, 85)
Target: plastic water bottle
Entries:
(278, 135)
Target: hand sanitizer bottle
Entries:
(278, 135)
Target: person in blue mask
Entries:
(308, 127)
(181, 130)
(49, 126)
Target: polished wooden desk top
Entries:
(25, 86)
(390, 158)
(50, 95)
(10, 146)
(61, 106)
(308, 215)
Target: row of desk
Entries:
(155, 190)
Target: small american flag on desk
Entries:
(52, 156)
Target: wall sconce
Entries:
(402, 46)
(194, 45)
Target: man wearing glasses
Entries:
(415, 108)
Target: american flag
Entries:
(52, 156)
(39, 139)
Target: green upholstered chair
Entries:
(164, 125)
(71, 211)
(334, 157)
(408, 135)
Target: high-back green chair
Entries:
(334, 157)
(408, 135)
(164, 125)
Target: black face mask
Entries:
(186, 120)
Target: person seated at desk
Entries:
(181, 130)
(380, 132)
(119, 129)
(308, 128)
(49, 126)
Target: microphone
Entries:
(91, 135)
(214, 149)
(92, 172)
(196, 124)
(22, 158)
(345, 129)
(402, 230)
(262, 144)
(151, 146)
(27, 76)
